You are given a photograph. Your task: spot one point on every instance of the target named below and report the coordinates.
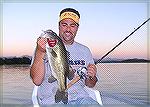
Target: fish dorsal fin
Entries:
(71, 73)
(68, 55)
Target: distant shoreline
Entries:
(15, 60)
(27, 60)
(135, 60)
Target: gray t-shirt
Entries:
(79, 55)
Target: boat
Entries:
(94, 94)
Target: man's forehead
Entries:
(68, 20)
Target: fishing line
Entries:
(98, 61)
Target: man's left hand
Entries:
(91, 70)
(91, 73)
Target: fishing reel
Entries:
(82, 72)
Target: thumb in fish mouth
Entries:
(71, 73)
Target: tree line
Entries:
(15, 60)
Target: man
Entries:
(79, 56)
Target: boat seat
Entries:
(94, 94)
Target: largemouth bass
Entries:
(58, 60)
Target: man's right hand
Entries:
(37, 68)
(41, 44)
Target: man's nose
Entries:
(68, 28)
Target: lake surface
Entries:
(119, 83)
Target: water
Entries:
(120, 83)
(125, 82)
(17, 85)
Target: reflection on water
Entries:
(125, 83)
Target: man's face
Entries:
(67, 30)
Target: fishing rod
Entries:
(82, 70)
(121, 41)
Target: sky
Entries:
(102, 26)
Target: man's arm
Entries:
(37, 68)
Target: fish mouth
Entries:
(51, 42)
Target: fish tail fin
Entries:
(61, 96)
(65, 98)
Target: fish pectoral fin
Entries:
(61, 96)
(53, 53)
(51, 79)
(71, 73)
(58, 96)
